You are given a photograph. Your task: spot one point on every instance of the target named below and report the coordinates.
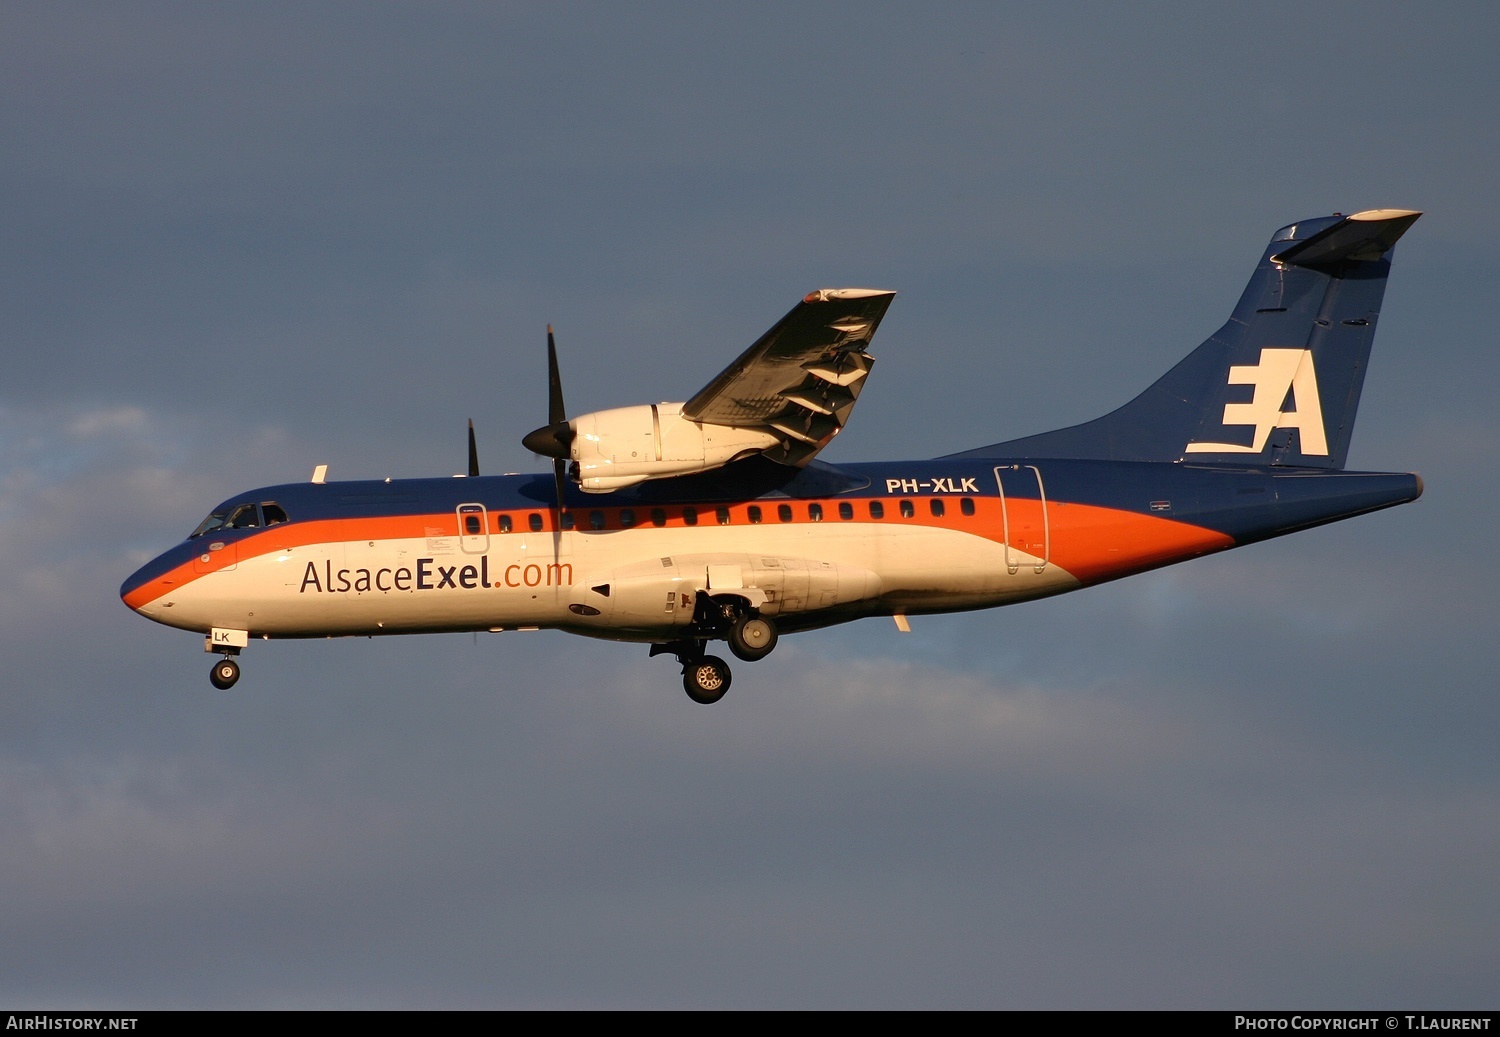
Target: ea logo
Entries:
(1280, 371)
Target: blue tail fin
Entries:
(1279, 383)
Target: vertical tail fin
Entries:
(1279, 384)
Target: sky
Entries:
(244, 240)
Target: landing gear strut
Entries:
(225, 672)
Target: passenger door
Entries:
(1025, 523)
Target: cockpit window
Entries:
(243, 517)
(209, 524)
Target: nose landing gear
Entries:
(225, 642)
(225, 672)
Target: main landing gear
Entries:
(751, 636)
(706, 679)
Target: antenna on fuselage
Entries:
(554, 439)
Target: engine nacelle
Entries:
(628, 445)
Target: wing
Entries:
(801, 378)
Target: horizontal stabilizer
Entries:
(1365, 236)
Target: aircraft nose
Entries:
(144, 585)
(131, 588)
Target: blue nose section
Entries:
(140, 587)
(134, 591)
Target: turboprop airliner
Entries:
(679, 524)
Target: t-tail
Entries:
(1279, 383)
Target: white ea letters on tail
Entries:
(1279, 371)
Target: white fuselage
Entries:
(530, 579)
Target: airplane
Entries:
(679, 524)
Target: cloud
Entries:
(464, 842)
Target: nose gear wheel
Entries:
(225, 672)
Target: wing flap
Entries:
(802, 377)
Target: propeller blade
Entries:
(557, 414)
(554, 439)
(473, 452)
(560, 480)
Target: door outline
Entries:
(472, 543)
(1012, 562)
(220, 556)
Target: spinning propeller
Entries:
(554, 439)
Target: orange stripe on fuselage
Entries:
(1095, 544)
(1090, 542)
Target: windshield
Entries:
(241, 516)
(209, 524)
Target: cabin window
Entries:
(784, 512)
(658, 517)
(966, 505)
(471, 520)
(272, 512)
(502, 523)
(846, 510)
(690, 516)
(596, 519)
(815, 512)
(877, 510)
(565, 520)
(907, 509)
(936, 506)
(754, 513)
(534, 520)
(627, 518)
(722, 514)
